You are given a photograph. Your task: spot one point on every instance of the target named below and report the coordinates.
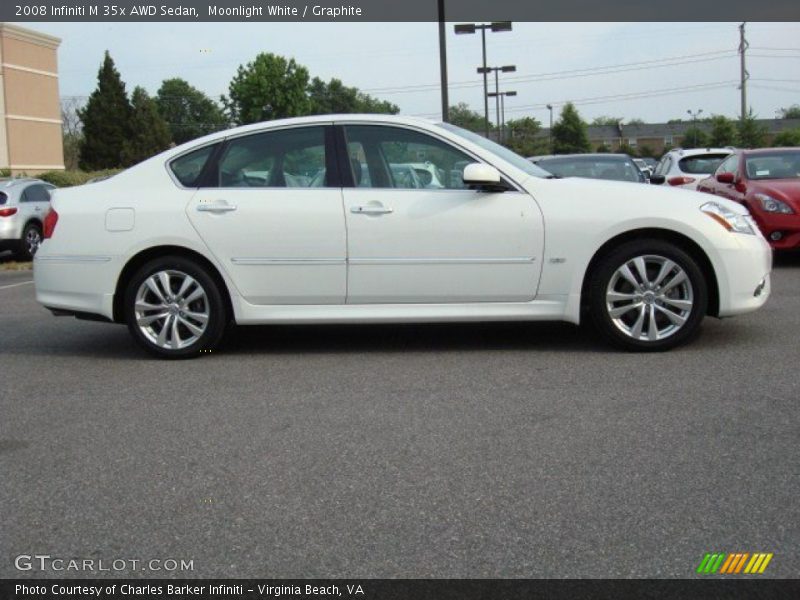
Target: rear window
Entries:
(189, 167)
(702, 164)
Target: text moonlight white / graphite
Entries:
(275, 10)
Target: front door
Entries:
(416, 235)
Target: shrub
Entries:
(71, 178)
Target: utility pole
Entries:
(443, 64)
(743, 74)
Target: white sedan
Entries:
(189, 240)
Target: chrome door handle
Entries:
(371, 210)
(215, 207)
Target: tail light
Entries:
(7, 212)
(50, 221)
(680, 180)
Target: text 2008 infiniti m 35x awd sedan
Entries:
(370, 218)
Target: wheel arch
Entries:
(682, 241)
(148, 254)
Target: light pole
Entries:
(694, 116)
(443, 64)
(497, 27)
(497, 70)
(502, 96)
(550, 131)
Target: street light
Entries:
(550, 131)
(694, 116)
(496, 27)
(497, 70)
(502, 96)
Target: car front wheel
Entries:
(174, 308)
(648, 295)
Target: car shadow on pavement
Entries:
(433, 337)
(786, 259)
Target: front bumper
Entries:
(745, 286)
(788, 226)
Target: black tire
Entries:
(673, 313)
(27, 247)
(211, 303)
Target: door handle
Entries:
(215, 207)
(371, 210)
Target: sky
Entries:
(651, 71)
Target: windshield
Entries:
(593, 167)
(774, 165)
(507, 155)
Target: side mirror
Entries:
(725, 177)
(657, 179)
(483, 177)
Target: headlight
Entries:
(728, 219)
(770, 204)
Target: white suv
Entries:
(23, 205)
(685, 168)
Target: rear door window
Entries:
(189, 167)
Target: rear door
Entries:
(272, 216)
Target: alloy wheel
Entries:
(171, 309)
(33, 240)
(649, 298)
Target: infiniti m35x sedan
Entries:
(309, 220)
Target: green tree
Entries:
(750, 133)
(604, 120)
(790, 137)
(723, 132)
(625, 148)
(106, 120)
(569, 133)
(270, 87)
(522, 137)
(335, 97)
(694, 137)
(636, 121)
(149, 132)
(646, 151)
(602, 149)
(463, 116)
(188, 111)
(792, 112)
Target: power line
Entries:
(584, 72)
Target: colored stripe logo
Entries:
(734, 563)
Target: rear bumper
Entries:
(75, 284)
(747, 268)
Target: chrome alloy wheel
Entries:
(171, 309)
(649, 298)
(33, 240)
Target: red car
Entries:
(767, 182)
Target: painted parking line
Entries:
(12, 285)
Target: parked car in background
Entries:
(767, 182)
(685, 168)
(650, 162)
(179, 245)
(23, 205)
(613, 167)
(643, 167)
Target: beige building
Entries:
(30, 112)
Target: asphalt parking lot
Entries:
(504, 450)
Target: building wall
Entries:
(30, 112)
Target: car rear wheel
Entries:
(31, 239)
(174, 308)
(648, 295)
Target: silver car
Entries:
(23, 205)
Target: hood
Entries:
(787, 190)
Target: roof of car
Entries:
(8, 182)
(750, 151)
(696, 151)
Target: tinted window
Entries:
(36, 193)
(729, 165)
(663, 166)
(393, 157)
(617, 169)
(774, 165)
(284, 158)
(3, 198)
(702, 164)
(188, 168)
